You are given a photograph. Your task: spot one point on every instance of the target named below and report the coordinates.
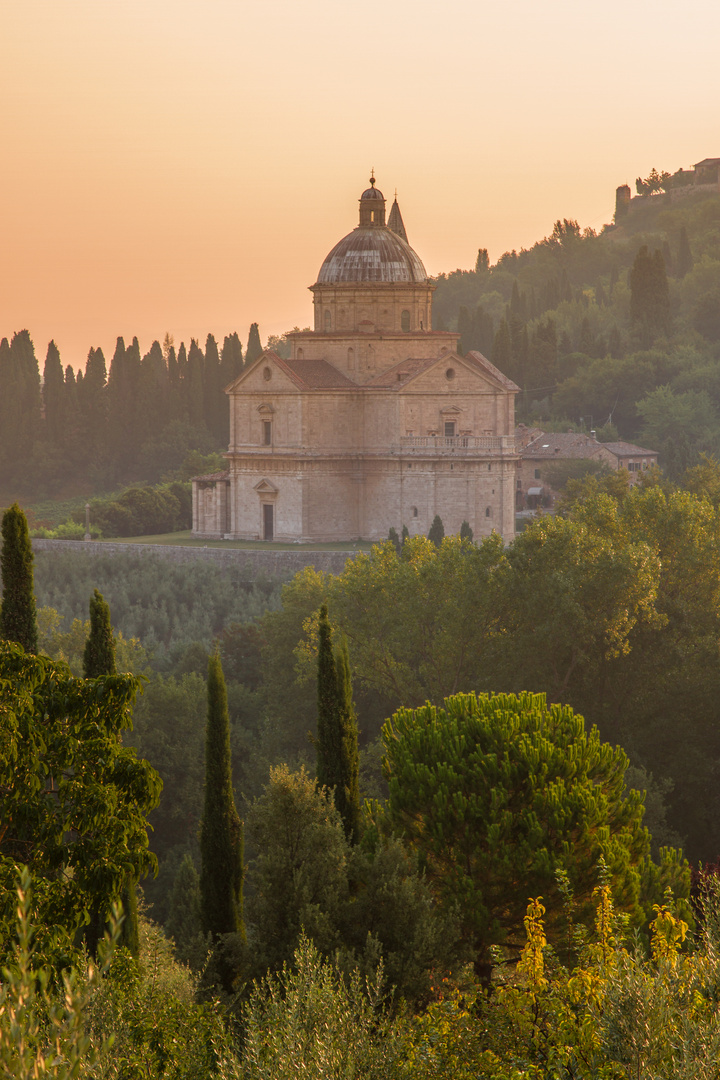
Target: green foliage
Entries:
(337, 736)
(165, 603)
(183, 922)
(299, 868)
(17, 611)
(466, 532)
(395, 540)
(43, 1031)
(309, 1021)
(497, 794)
(221, 834)
(99, 655)
(60, 735)
(437, 531)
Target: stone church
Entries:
(375, 421)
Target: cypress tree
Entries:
(347, 787)
(254, 347)
(437, 531)
(99, 655)
(337, 738)
(404, 534)
(466, 532)
(221, 834)
(99, 659)
(396, 542)
(54, 396)
(194, 385)
(684, 261)
(328, 750)
(17, 612)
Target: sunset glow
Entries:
(186, 166)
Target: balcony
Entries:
(462, 445)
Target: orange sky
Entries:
(185, 166)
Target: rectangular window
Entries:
(449, 429)
(537, 474)
(267, 432)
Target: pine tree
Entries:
(437, 531)
(254, 347)
(337, 739)
(221, 833)
(17, 611)
(99, 655)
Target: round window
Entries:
(450, 373)
(267, 374)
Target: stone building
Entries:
(538, 449)
(374, 421)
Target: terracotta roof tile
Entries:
(559, 444)
(626, 449)
(316, 374)
(225, 475)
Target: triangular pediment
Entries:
(265, 487)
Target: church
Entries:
(374, 422)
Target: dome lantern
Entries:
(372, 205)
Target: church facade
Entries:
(374, 421)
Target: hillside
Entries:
(589, 350)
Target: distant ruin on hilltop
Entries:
(703, 178)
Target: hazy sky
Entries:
(185, 165)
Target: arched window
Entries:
(405, 321)
(488, 512)
(351, 358)
(328, 322)
(414, 510)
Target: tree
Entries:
(482, 263)
(99, 656)
(299, 873)
(54, 396)
(73, 799)
(685, 260)
(437, 531)
(395, 539)
(221, 834)
(649, 295)
(337, 735)
(466, 532)
(498, 794)
(254, 348)
(17, 612)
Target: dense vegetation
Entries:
(617, 331)
(137, 419)
(498, 906)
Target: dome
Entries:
(371, 253)
(372, 193)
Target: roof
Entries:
(707, 161)
(552, 444)
(372, 193)
(399, 374)
(315, 374)
(224, 475)
(626, 449)
(483, 364)
(395, 222)
(372, 253)
(396, 377)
